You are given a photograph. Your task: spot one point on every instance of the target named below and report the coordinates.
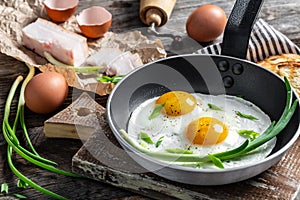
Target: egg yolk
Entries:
(177, 103)
(206, 131)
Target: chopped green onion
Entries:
(214, 107)
(109, 79)
(103, 80)
(145, 137)
(112, 79)
(159, 141)
(144, 144)
(248, 133)
(179, 151)
(246, 116)
(116, 79)
(156, 111)
(22, 184)
(4, 188)
(216, 161)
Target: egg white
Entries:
(172, 128)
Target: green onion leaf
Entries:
(4, 188)
(22, 184)
(159, 141)
(9, 134)
(248, 133)
(20, 196)
(156, 111)
(246, 116)
(116, 79)
(198, 165)
(216, 161)
(103, 80)
(226, 155)
(112, 79)
(145, 137)
(108, 78)
(214, 107)
(179, 151)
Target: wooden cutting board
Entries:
(101, 158)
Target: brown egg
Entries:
(45, 92)
(206, 23)
(60, 10)
(94, 22)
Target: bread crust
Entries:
(285, 65)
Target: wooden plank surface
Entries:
(59, 150)
(283, 15)
(98, 157)
(278, 13)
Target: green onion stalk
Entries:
(13, 143)
(250, 144)
(85, 69)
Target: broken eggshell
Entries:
(94, 22)
(60, 11)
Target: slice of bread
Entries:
(287, 65)
(292, 72)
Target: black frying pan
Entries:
(228, 73)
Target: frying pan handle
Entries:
(238, 28)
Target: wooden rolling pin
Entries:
(156, 12)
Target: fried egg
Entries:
(200, 123)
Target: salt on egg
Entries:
(188, 122)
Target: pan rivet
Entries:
(237, 69)
(228, 81)
(223, 65)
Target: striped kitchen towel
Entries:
(265, 41)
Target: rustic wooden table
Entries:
(283, 15)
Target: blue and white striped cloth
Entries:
(265, 41)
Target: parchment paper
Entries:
(16, 14)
